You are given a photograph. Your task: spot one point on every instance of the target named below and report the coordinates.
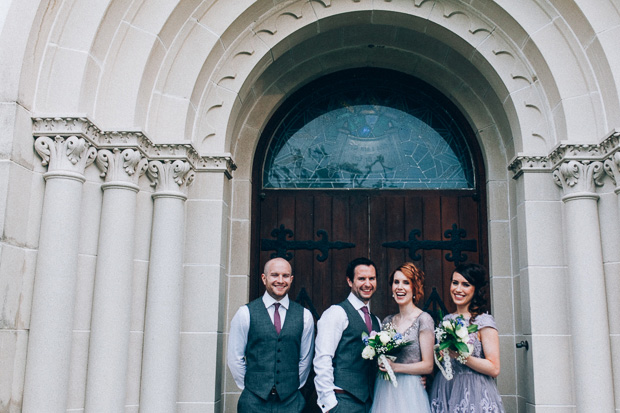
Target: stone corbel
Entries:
(65, 156)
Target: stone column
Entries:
(50, 336)
(109, 339)
(586, 278)
(612, 167)
(162, 326)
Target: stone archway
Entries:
(211, 73)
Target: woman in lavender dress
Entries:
(414, 360)
(473, 387)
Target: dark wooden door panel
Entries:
(367, 220)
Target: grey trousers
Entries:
(251, 403)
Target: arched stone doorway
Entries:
(393, 173)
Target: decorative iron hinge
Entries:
(281, 245)
(456, 245)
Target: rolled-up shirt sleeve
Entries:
(329, 332)
(237, 342)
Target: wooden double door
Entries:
(320, 232)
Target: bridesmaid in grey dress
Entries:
(473, 387)
(416, 359)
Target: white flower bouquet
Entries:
(383, 345)
(453, 335)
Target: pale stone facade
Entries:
(128, 135)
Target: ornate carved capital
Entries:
(82, 128)
(170, 177)
(118, 165)
(579, 177)
(71, 154)
(612, 168)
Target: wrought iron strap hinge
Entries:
(456, 244)
(281, 245)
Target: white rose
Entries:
(384, 337)
(470, 347)
(447, 325)
(368, 353)
(462, 332)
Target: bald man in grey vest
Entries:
(270, 346)
(344, 380)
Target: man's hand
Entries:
(423, 380)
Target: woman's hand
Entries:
(488, 365)
(384, 369)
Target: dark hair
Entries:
(355, 263)
(475, 274)
(415, 276)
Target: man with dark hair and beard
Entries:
(344, 380)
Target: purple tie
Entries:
(367, 318)
(276, 318)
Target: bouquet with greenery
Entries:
(383, 345)
(455, 335)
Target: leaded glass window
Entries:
(363, 134)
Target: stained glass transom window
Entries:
(382, 137)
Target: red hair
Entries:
(415, 277)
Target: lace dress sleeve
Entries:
(426, 322)
(485, 320)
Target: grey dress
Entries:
(410, 395)
(469, 391)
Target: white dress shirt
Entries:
(238, 339)
(330, 327)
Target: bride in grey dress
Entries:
(473, 387)
(413, 360)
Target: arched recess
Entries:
(421, 198)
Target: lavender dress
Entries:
(410, 395)
(469, 391)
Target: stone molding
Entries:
(570, 162)
(248, 51)
(82, 128)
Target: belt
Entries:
(340, 391)
(273, 392)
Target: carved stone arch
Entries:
(502, 67)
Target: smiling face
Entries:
(364, 282)
(402, 290)
(462, 291)
(277, 278)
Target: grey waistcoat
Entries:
(272, 360)
(351, 372)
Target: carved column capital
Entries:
(65, 156)
(612, 168)
(121, 166)
(579, 178)
(170, 178)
